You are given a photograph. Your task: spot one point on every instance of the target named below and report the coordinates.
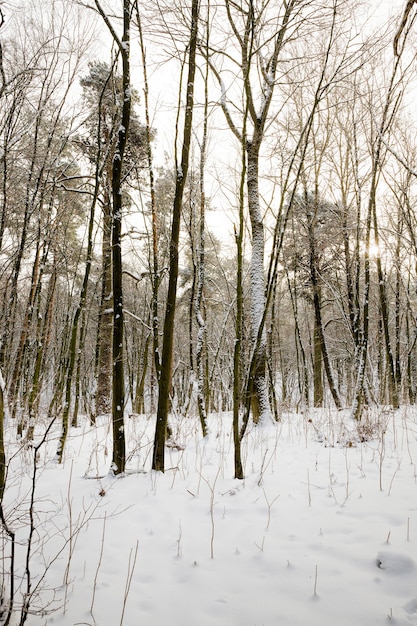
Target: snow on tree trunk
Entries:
(260, 399)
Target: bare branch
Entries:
(402, 26)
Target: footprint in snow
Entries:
(395, 562)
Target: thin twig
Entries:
(130, 570)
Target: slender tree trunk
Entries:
(237, 354)
(20, 355)
(362, 355)
(303, 379)
(118, 398)
(398, 315)
(390, 108)
(158, 461)
(42, 346)
(154, 261)
(383, 301)
(271, 362)
(319, 338)
(118, 382)
(259, 384)
(105, 320)
(72, 348)
(142, 370)
(80, 357)
(411, 360)
(2, 447)
(61, 367)
(35, 371)
(318, 394)
(201, 268)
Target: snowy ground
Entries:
(322, 531)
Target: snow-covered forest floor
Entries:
(323, 530)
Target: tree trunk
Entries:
(319, 338)
(158, 460)
(392, 382)
(201, 269)
(105, 320)
(259, 384)
(17, 370)
(118, 398)
(2, 448)
(72, 348)
(154, 262)
(362, 353)
(303, 380)
(237, 354)
(42, 346)
(318, 395)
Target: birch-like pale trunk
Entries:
(259, 383)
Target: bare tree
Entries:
(260, 38)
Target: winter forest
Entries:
(208, 248)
